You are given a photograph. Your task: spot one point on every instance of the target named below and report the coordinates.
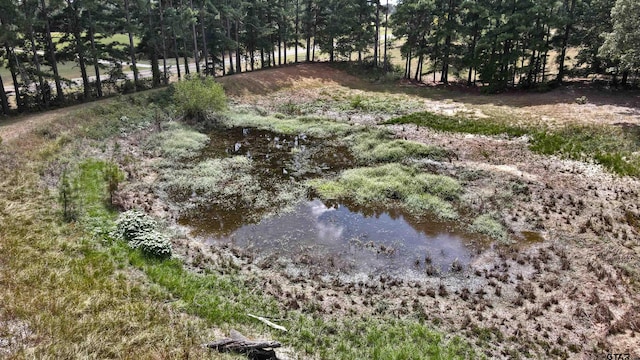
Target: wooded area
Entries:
(495, 43)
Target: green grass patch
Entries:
(408, 187)
(487, 225)
(178, 142)
(377, 146)
(615, 148)
(460, 124)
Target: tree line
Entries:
(499, 43)
(219, 36)
(507, 43)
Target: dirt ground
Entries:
(573, 295)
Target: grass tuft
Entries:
(178, 142)
(376, 146)
(487, 225)
(459, 124)
(410, 188)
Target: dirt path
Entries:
(16, 126)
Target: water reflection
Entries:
(387, 241)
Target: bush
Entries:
(196, 97)
(139, 230)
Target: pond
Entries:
(333, 235)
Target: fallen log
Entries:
(238, 343)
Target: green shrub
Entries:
(67, 196)
(139, 230)
(196, 97)
(153, 243)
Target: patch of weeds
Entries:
(67, 196)
(311, 126)
(487, 225)
(613, 148)
(422, 203)
(460, 124)
(229, 184)
(375, 146)
(410, 188)
(118, 116)
(290, 108)
(178, 142)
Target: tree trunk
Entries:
(565, 41)
(94, 53)
(308, 30)
(82, 63)
(187, 71)
(386, 26)
(14, 75)
(297, 35)
(205, 49)
(625, 77)
(165, 77)
(4, 101)
(472, 50)
(196, 57)
(175, 46)
(36, 61)
(238, 63)
(52, 53)
(132, 51)
(377, 35)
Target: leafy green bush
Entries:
(67, 196)
(196, 97)
(139, 230)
